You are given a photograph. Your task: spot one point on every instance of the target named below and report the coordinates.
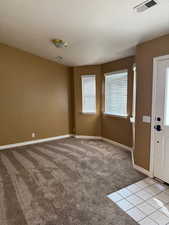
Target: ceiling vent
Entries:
(145, 5)
(59, 43)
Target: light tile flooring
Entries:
(146, 201)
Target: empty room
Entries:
(84, 110)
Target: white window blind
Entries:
(116, 93)
(88, 93)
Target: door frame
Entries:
(153, 109)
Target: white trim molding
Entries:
(87, 137)
(117, 144)
(142, 170)
(136, 167)
(104, 139)
(2, 147)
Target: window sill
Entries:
(116, 116)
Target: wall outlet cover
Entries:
(146, 119)
(33, 135)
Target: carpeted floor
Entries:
(64, 182)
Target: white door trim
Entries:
(155, 61)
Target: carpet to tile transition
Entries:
(64, 182)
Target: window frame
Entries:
(110, 114)
(82, 99)
(133, 114)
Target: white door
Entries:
(161, 119)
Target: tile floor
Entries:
(146, 201)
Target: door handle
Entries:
(158, 127)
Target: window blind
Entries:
(116, 93)
(88, 93)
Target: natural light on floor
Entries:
(146, 201)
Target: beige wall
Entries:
(37, 95)
(144, 58)
(71, 102)
(87, 124)
(97, 125)
(116, 128)
(119, 129)
(34, 97)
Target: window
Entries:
(134, 92)
(116, 93)
(89, 94)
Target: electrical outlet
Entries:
(33, 135)
(146, 119)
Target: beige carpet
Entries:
(64, 183)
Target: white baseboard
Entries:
(142, 170)
(104, 139)
(138, 168)
(88, 137)
(2, 147)
(117, 144)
